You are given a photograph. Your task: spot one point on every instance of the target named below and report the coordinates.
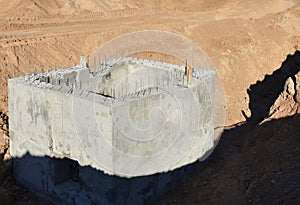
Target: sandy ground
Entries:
(245, 39)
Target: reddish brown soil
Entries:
(257, 160)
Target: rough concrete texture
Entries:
(142, 114)
(131, 118)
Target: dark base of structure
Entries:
(66, 182)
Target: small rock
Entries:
(297, 87)
(6, 157)
(5, 127)
(289, 86)
(273, 181)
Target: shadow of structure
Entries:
(64, 181)
(263, 94)
(254, 162)
(263, 170)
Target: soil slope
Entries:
(252, 44)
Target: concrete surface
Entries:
(130, 118)
(151, 116)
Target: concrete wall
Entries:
(114, 126)
(93, 186)
(171, 124)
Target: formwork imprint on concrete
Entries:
(131, 117)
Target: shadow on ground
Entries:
(254, 163)
(264, 93)
(64, 181)
(251, 165)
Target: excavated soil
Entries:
(253, 45)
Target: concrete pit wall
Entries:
(125, 135)
(93, 186)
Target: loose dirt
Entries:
(252, 44)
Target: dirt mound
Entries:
(20, 8)
(288, 102)
(276, 95)
(29, 7)
(38, 7)
(246, 40)
(258, 161)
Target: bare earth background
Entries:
(249, 41)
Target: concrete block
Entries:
(132, 119)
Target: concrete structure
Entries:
(132, 118)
